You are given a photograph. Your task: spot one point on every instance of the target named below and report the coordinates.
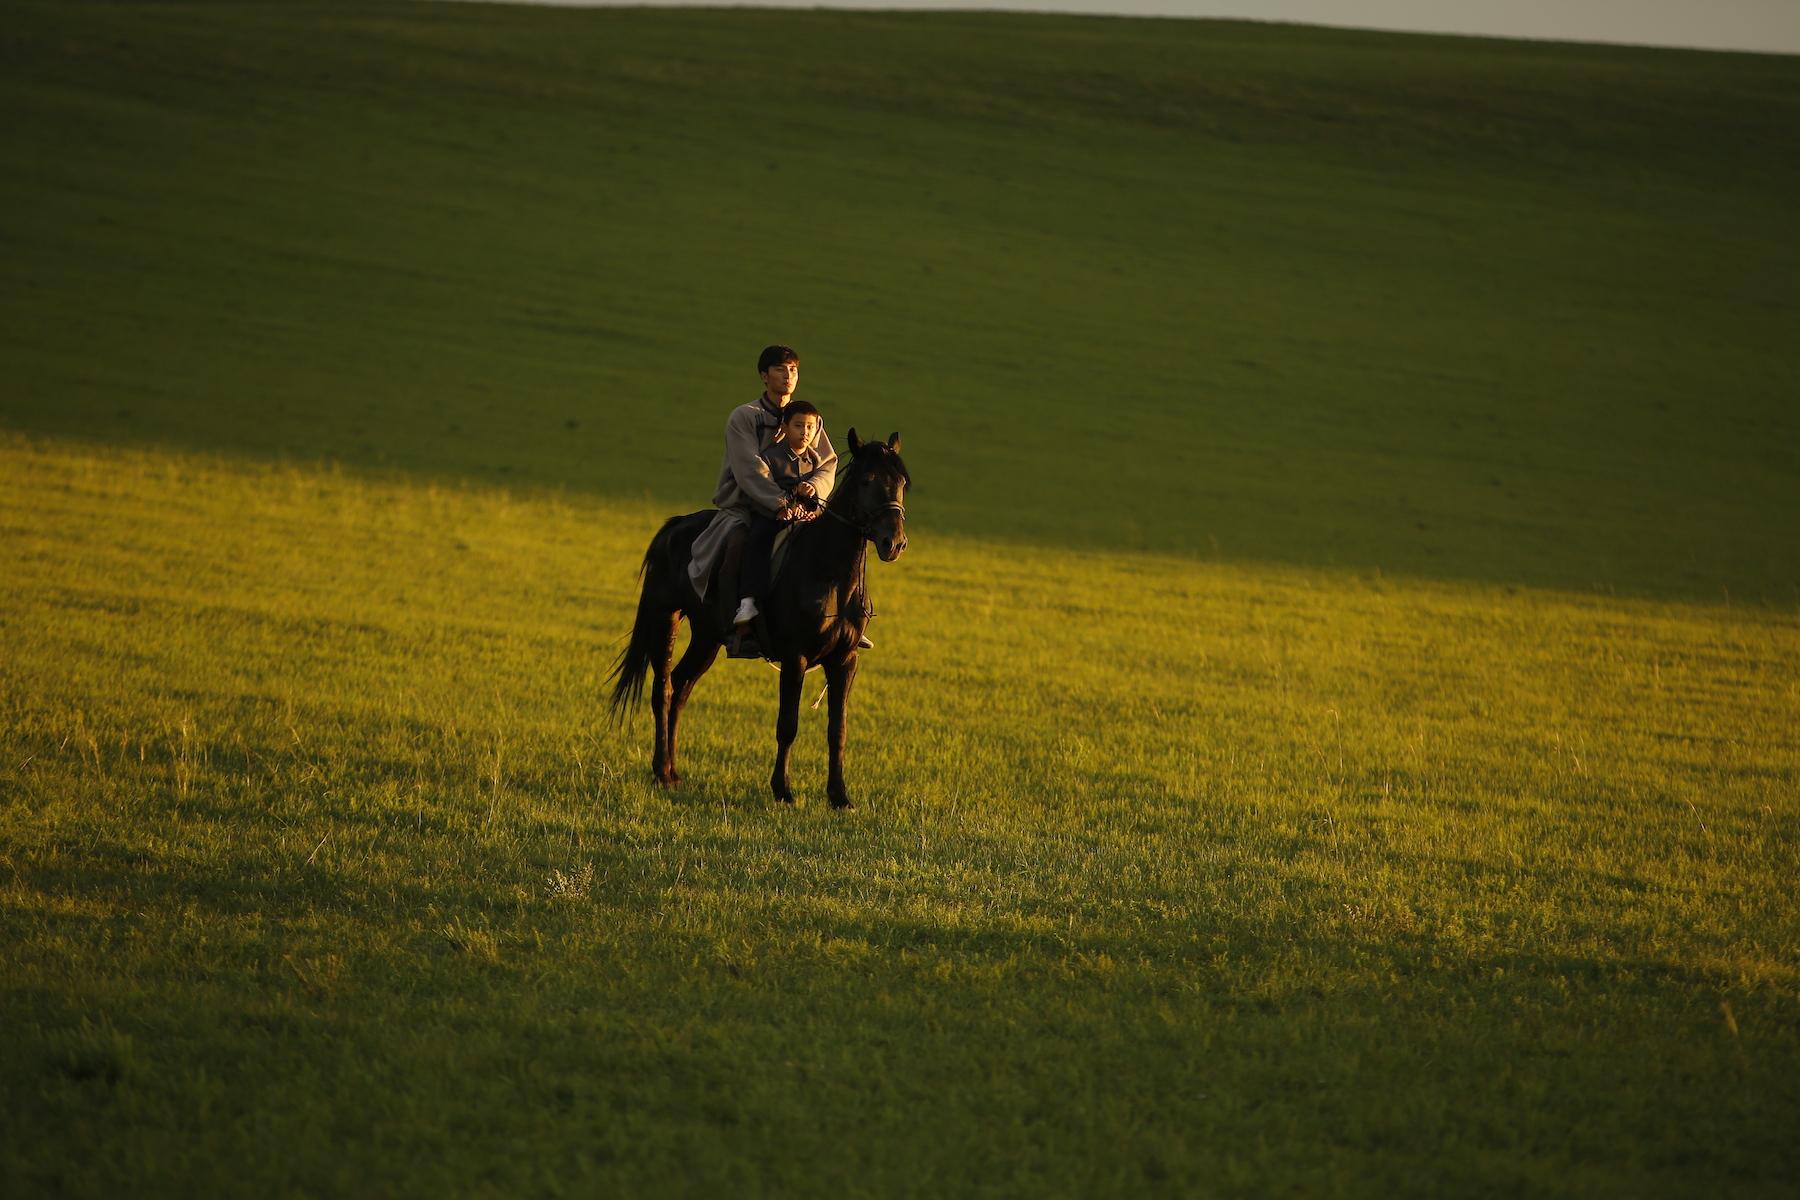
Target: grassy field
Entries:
(1333, 731)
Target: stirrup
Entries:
(742, 644)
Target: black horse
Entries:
(814, 614)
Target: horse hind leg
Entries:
(695, 662)
(662, 755)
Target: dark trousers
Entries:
(759, 541)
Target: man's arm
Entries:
(747, 467)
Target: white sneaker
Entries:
(746, 610)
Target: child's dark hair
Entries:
(799, 408)
(774, 356)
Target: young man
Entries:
(746, 486)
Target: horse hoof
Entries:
(842, 803)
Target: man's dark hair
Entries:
(799, 408)
(774, 356)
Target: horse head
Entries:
(874, 492)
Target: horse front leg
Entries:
(838, 678)
(694, 663)
(787, 726)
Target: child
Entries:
(800, 471)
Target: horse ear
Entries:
(855, 442)
(894, 442)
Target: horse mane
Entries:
(867, 449)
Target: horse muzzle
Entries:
(890, 547)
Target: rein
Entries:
(861, 587)
(863, 527)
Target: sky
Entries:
(1768, 26)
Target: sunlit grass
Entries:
(1166, 870)
(1332, 731)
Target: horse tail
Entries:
(649, 632)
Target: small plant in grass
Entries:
(569, 885)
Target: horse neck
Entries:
(826, 555)
(839, 549)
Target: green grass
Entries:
(1332, 731)
(1507, 312)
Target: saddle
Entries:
(725, 575)
(722, 589)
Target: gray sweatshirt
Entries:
(744, 478)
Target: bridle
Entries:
(865, 524)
